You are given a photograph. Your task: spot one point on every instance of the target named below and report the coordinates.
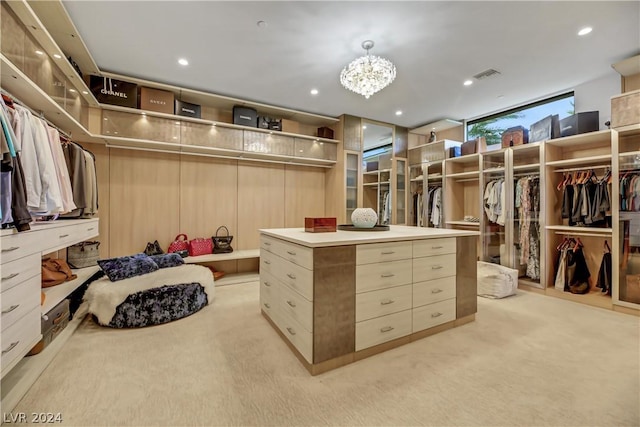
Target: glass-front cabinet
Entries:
(496, 212)
(400, 214)
(352, 160)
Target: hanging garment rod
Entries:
(35, 113)
(467, 179)
(584, 168)
(567, 233)
(529, 174)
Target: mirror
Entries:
(376, 135)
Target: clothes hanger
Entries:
(7, 101)
(606, 246)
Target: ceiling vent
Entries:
(486, 74)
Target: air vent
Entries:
(486, 74)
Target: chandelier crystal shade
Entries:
(368, 74)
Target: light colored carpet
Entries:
(526, 360)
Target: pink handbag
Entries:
(179, 244)
(200, 246)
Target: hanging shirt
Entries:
(62, 173)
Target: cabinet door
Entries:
(351, 176)
(399, 208)
(497, 213)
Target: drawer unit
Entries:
(19, 300)
(18, 271)
(434, 267)
(381, 252)
(296, 254)
(268, 293)
(371, 277)
(267, 261)
(301, 339)
(19, 245)
(382, 329)
(18, 338)
(422, 248)
(385, 301)
(431, 315)
(296, 306)
(298, 278)
(268, 243)
(434, 291)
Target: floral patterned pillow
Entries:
(167, 260)
(127, 266)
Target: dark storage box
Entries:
(275, 124)
(516, 135)
(453, 152)
(114, 92)
(319, 225)
(53, 323)
(325, 132)
(372, 166)
(156, 100)
(547, 128)
(263, 122)
(580, 123)
(478, 145)
(187, 109)
(245, 116)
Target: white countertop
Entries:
(341, 237)
(46, 225)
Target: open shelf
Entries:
(470, 174)
(629, 130)
(582, 139)
(531, 166)
(463, 223)
(236, 254)
(494, 170)
(524, 148)
(469, 158)
(594, 298)
(237, 278)
(570, 229)
(55, 294)
(581, 161)
(438, 126)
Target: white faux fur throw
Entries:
(104, 296)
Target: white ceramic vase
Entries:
(364, 218)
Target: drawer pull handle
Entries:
(291, 303)
(11, 276)
(267, 244)
(291, 276)
(11, 347)
(11, 249)
(438, 314)
(387, 302)
(437, 247)
(387, 329)
(436, 291)
(291, 253)
(13, 307)
(91, 229)
(387, 275)
(436, 267)
(388, 253)
(268, 262)
(267, 284)
(291, 331)
(62, 236)
(266, 305)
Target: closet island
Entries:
(339, 297)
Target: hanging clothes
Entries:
(604, 274)
(494, 201)
(436, 208)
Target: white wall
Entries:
(596, 96)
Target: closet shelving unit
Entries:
(462, 192)
(377, 183)
(494, 232)
(584, 152)
(352, 173)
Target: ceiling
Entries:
(435, 45)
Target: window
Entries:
(492, 127)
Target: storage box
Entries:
(325, 132)
(157, 100)
(625, 109)
(52, 324)
(587, 121)
(245, 116)
(453, 152)
(516, 135)
(187, 109)
(372, 166)
(114, 92)
(478, 145)
(545, 129)
(319, 225)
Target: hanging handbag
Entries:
(222, 244)
(153, 249)
(181, 243)
(200, 246)
(84, 254)
(55, 272)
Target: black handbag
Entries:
(222, 244)
(153, 249)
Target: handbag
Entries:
(153, 249)
(55, 272)
(200, 246)
(179, 244)
(222, 244)
(84, 254)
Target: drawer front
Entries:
(267, 261)
(430, 247)
(299, 255)
(382, 252)
(297, 335)
(296, 306)
(380, 303)
(371, 277)
(19, 300)
(55, 238)
(298, 278)
(268, 243)
(434, 291)
(382, 329)
(15, 272)
(18, 339)
(19, 245)
(269, 287)
(431, 315)
(434, 267)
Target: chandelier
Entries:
(368, 74)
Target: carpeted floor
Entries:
(527, 360)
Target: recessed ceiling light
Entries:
(314, 91)
(500, 96)
(364, 126)
(585, 31)
(398, 113)
(468, 82)
(183, 61)
(85, 92)
(262, 24)
(72, 90)
(55, 55)
(39, 52)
